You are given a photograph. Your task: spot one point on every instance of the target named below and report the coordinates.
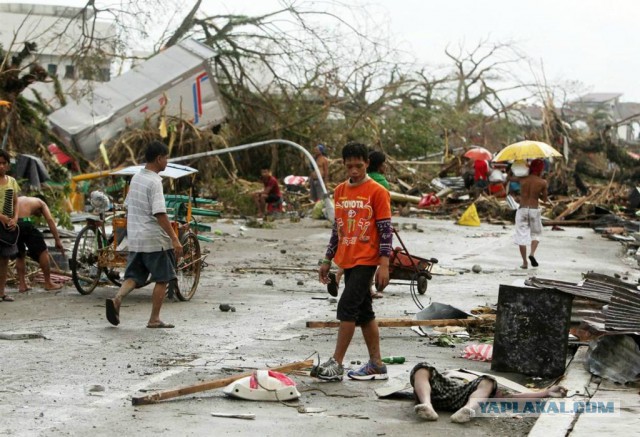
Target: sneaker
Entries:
(368, 372)
(330, 371)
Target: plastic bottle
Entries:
(393, 360)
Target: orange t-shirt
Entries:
(357, 210)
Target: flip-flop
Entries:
(332, 286)
(534, 262)
(113, 315)
(377, 295)
(6, 298)
(161, 325)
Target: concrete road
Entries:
(80, 378)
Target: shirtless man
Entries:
(31, 241)
(528, 222)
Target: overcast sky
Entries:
(595, 42)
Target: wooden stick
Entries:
(399, 323)
(576, 222)
(211, 385)
(275, 268)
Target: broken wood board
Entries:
(247, 416)
(20, 335)
(441, 271)
(575, 380)
(511, 385)
(388, 390)
(211, 385)
(404, 323)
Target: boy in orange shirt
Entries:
(360, 242)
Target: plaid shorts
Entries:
(449, 394)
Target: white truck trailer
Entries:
(178, 78)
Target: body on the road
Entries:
(360, 244)
(434, 390)
(528, 219)
(153, 245)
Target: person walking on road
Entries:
(360, 243)
(375, 171)
(153, 245)
(528, 219)
(31, 241)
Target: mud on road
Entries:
(79, 378)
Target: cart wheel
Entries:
(188, 269)
(84, 259)
(422, 284)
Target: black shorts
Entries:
(356, 304)
(153, 267)
(30, 242)
(449, 394)
(272, 198)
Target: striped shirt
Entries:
(145, 198)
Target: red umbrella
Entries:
(479, 153)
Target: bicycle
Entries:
(97, 255)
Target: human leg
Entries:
(345, 334)
(43, 261)
(6, 252)
(374, 368)
(422, 390)
(483, 390)
(348, 312)
(21, 271)
(523, 254)
(4, 262)
(159, 291)
(332, 369)
(371, 335)
(259, 199)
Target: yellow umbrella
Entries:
(527, 150)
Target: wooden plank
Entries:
(566, 223)
(399, 197)
(575, 380)
(401, 323)
(211, 385)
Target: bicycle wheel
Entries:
(188, 269)
(84, 260)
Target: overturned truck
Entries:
(176, 82)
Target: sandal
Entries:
(6, 298)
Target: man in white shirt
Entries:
(153, 244)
